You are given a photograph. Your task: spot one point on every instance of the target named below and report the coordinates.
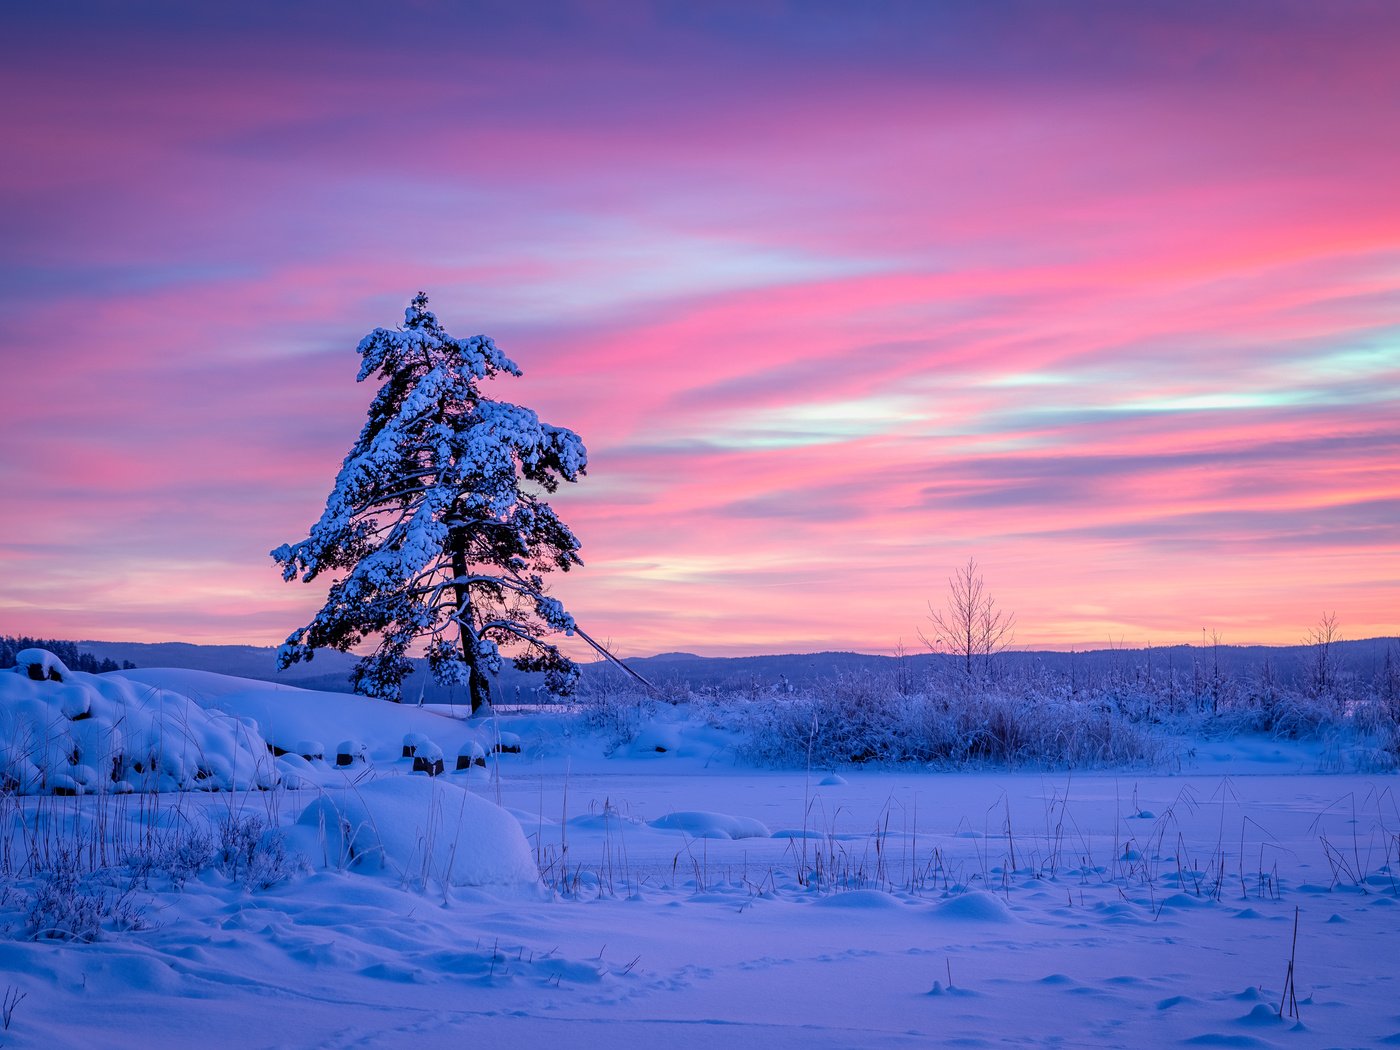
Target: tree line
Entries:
(76, 660)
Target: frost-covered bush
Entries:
(1283, 713)
(1376, 717)
(71, 903)
(74, 733)
(182, 857)
(860, 719)
(1075, 715)
(618, 710)
(254, 853)
(1376, 723)
(245, 849)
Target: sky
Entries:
(1104, 296)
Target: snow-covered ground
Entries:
(663, 890)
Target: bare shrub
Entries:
(71, 903)
(181, 856)
(254, 853)
(970, 626)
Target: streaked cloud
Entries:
(1107, 297)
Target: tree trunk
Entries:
(478, 686)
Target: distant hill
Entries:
(1287, 663)
(330, 670)
(244, 661)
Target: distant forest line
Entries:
(1192, 669)
(69, 652)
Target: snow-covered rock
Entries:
(41, 665)
(428, 759)
(507, 744)
(348, 752)
(470, 754)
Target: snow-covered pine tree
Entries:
(437, 522)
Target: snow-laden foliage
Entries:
(68, 732)
(436, 525)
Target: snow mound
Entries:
(67, 731)
(423, 831)
(975, 906)
(712, 825)
(861, 900)
(657, 739)
(287, 715)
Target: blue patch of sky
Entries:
(30, 283)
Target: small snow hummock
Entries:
(424, 831)
(704, 825)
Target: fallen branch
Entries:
(603, 652)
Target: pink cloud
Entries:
(1102, 297)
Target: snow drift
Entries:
(423, 830)
(67, 732)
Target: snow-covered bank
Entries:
(610, 891)
(67, 732)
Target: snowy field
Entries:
(662, 891)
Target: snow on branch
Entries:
(428, 525)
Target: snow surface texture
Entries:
(694, 901)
